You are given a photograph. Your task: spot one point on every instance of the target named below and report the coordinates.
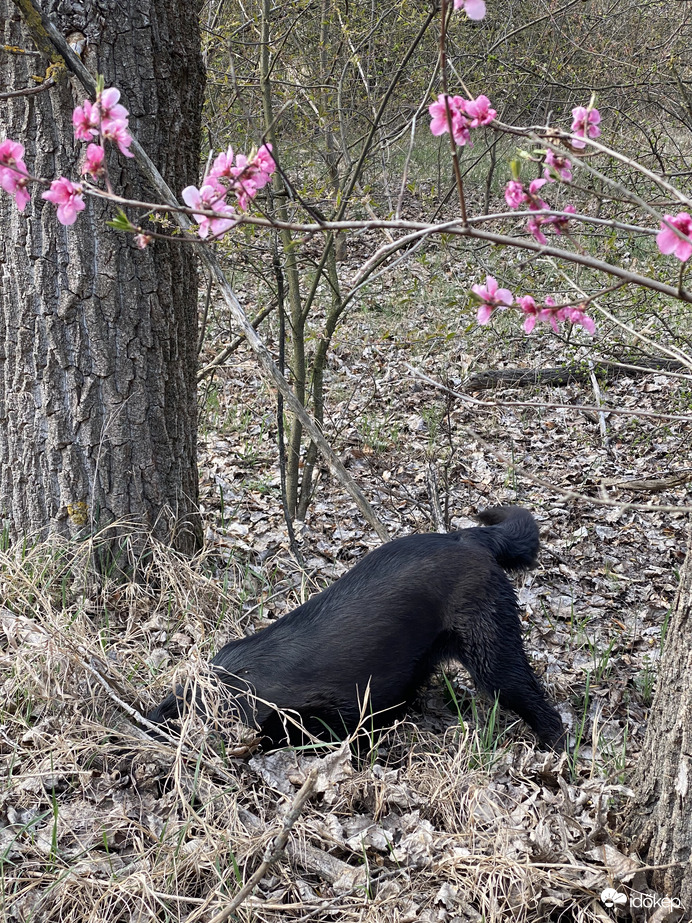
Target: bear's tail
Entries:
(509, 533)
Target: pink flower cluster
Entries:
(559, 223)
(551, 313)
(585, 123)
(465, 114)
(242, 179)
(106, 118)
(669, 242)
(474, 9)
(94, 161)
(556, 167)
(13, 173)
(517, 196)
(491, 298)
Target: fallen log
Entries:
(559, 377)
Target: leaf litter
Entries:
(453, 814)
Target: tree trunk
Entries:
(660, 821)
(98, 338)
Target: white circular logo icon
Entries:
(611, 897)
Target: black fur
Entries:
(386, 625)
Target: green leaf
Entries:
(121, 223)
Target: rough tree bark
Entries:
(660, 821)
(98, 338)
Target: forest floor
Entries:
(453, 815)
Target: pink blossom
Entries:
(252, 175)
(18, 191)
(86, 119)
(210, 198)
(575, 315)
(116, 130)
(533, 226)
(245, 192)
(264, 159)
(460, 129)
(460, 124)
(514, 194)
(94, 161)
(585, 124)
(480, 111)
(13, 173)
(110, 107)
(533, 200)
(68, 197)
(669, 242)
(474, 9)
(260, 178)
(550, 313)
(491, 297)
(546, 313)
(528, 306)
(438, 111)
(214, 192)
(143, 240)
(11, 154)
(222, 164)
(242, 182)
(246, 177)
(557, 164)
(560, 222)
(106, 116)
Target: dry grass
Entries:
(99, 823)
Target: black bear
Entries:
(382, 629)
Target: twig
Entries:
(452, 143)
(274, 851)
(29, 91)
(599, 402)
(651, 485)
(566, 374)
